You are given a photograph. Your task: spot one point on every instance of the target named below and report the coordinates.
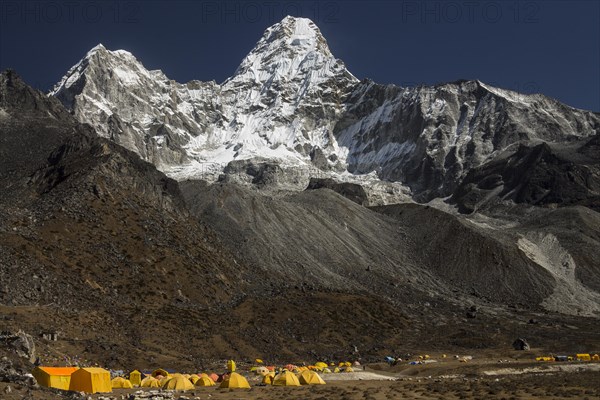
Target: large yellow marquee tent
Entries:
(91, 380)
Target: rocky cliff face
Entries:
(293, 103)
(543, 174)
(430, 137)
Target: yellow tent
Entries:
(348, 369)
(150, 382)
(54, 377)
(336, 370)
(310, 378)
(121, 383)
(135, 377)
(231, 366)
(204, 380)
(177, 382)
(286, 378)
(258, 361)
(321, 365)
(268, 378)
(584, 357)
(596, 357)
(194, 378)
(159, 371)
(235, 380)
(544, 358)
(91, 380)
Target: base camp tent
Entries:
(286, 378)
(91, 380)
(177, 382)
(268, 378)
(121, 383)
(204, 380)
(235, 380)
(310, 378)
(320, 365)
(135, 377)
(150, 382)
(231, 366)
(159, 371)
(54, 377)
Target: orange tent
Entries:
(54, 377)
(290, 367)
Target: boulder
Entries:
(520, 344)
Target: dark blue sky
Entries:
(550, 47)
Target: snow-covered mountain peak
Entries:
(119, 65)
(99, 47)
(293, 49)
(300, 32)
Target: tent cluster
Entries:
(98, 380)
(578, 357)
(160, 378)
(320, 366)
(288, 378)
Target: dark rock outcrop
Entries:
(541, 175)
